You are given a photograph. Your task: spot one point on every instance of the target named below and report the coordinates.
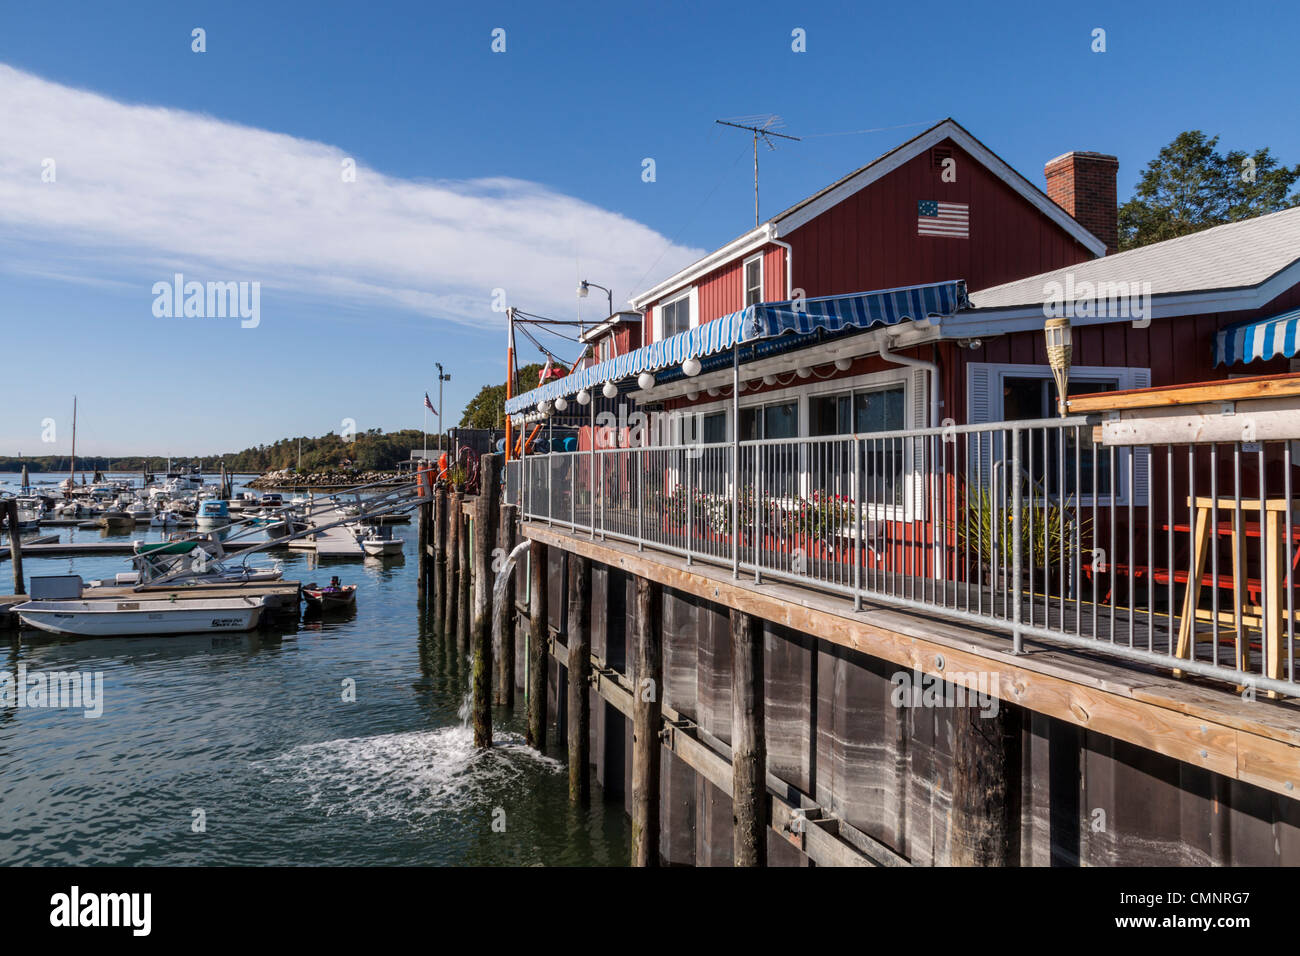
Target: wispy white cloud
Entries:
(141, 191)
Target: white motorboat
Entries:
(113, 618)
(168, 519)
(378, 546)
(139, 510)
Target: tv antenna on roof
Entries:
(758, 126)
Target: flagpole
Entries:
(424, 427)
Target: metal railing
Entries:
(1154, 554)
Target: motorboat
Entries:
(29, 514)
(113, 618)
(139, 510)
(213, 512)
(189, 562)
(331, 597)
(377, 545)
(115, 519)
(169, 519)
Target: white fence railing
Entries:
(1156, 554)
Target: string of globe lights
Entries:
(691, 368)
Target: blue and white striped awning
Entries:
(837, 313)
(1260, 339)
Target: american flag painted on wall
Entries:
(950, 219)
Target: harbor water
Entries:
(247, 749)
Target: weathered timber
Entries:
(1218, 732)
(646, 719)
(1230, 390)
(452, 587)
(440, 555)
(486, 517)
(422, 578)
(537, 612)
(579, 645)
(15, 545)
(505, 652)
(463, 609)
(986, 785)
(748, 742)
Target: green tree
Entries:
(1191, 186)
(486, 409)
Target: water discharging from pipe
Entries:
(498, 596)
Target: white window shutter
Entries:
(982, 406)
(1140, 378)
(695, 307)
(917, 416)
(656, 325)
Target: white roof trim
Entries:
(750, 241)
(948, 129)
(1020, 318)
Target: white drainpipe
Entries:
(930, 367)
(789, 259)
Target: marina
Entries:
(272, 758)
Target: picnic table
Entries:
(1277, 572)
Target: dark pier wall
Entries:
(835, 735)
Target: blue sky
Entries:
(478, 170)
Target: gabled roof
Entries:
(786, 221)
(1238, 255)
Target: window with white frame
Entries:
(753, 271)
(893, 400)
(1019, 392)
(882, 408)
(675, 316)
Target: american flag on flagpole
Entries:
(951, 219)
(428, 404)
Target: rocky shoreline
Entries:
(320, 479)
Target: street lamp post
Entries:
(585, 287)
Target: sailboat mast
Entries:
(72, 474)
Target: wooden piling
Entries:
(647, 710)
(748, 743)
(440, 556)
(422, 576)
(537, 645)
(505, 654)
(487, 514)
(452, 589)
(579, 642)
(463, 600)
(986, 786)
(15, 545)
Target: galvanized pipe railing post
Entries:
(573, 491)
(640, 501)
(859, 552)
(690, 502)
(1017, 639)
(758, 497)
(735, 462)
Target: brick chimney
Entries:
(1083, 184)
